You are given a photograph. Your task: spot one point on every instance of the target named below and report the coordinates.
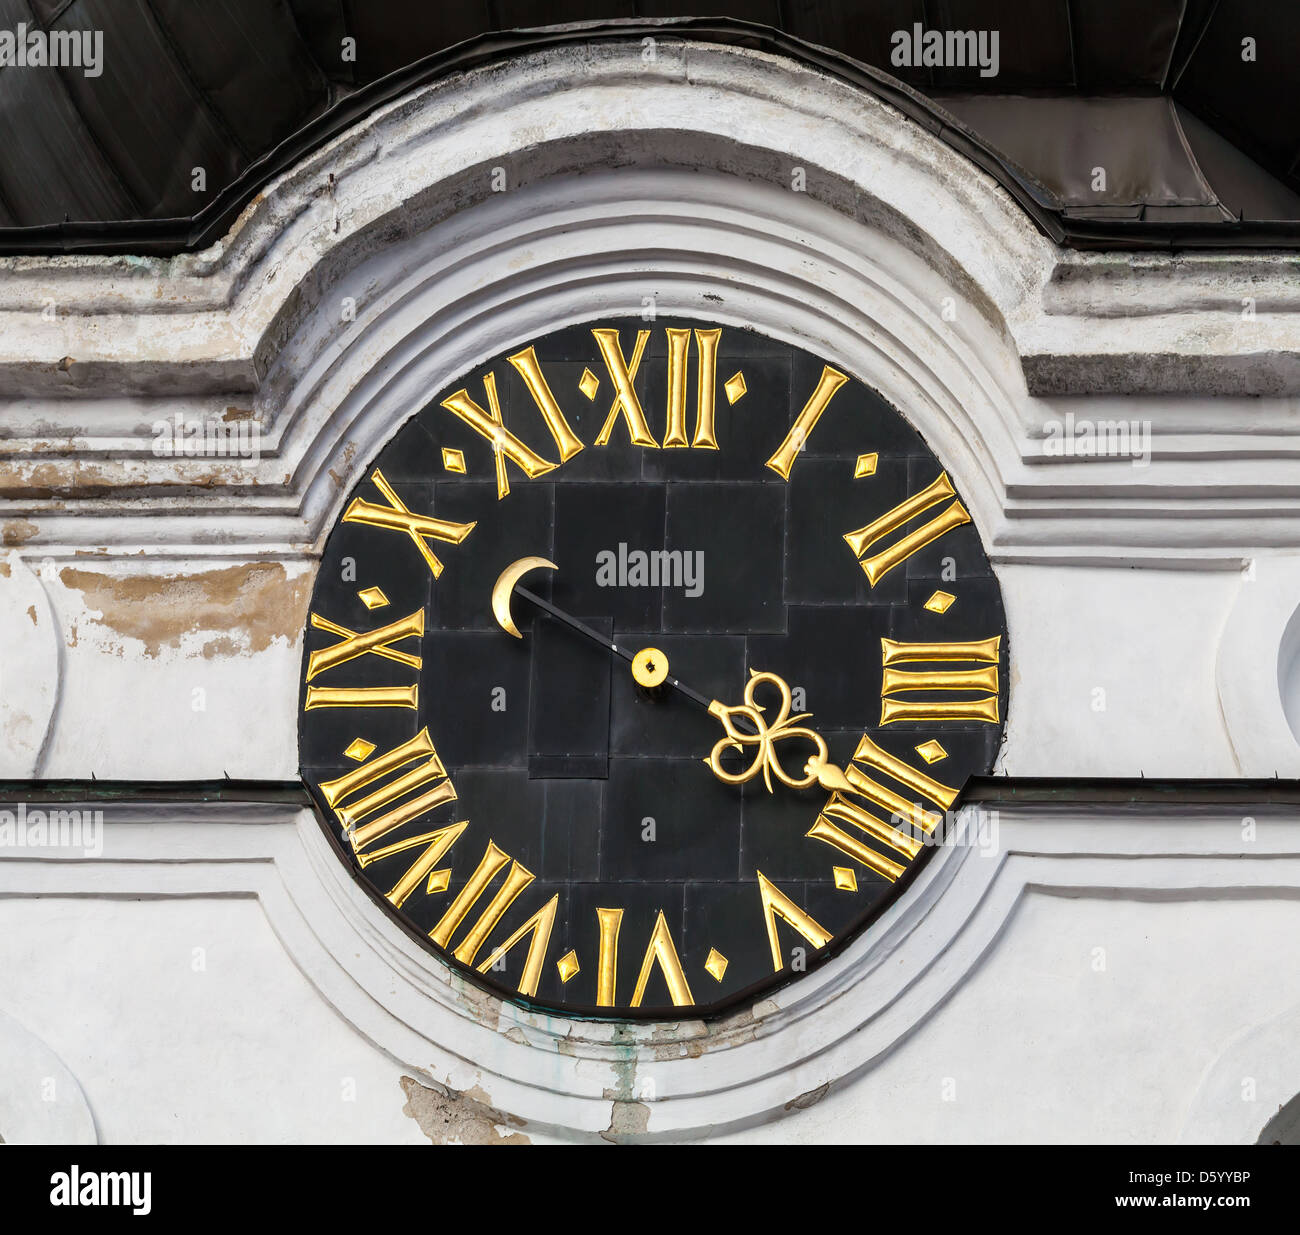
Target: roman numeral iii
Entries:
(981, 682)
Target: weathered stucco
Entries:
(154, 610)
(252, 604)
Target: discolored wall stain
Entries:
(18, 532)
(461, 1117)
(246, 606)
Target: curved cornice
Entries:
(810, 210)
(684, 1079)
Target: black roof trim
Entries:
(167, 237)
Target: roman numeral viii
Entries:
(415, 782)
(846, 824)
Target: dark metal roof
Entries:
(1201, 146)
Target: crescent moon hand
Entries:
(504, 588)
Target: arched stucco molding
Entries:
(1256, 664)
(41, 1102)
(567, 1077)
(431, 308)
(1251, 1080)
(899, 258)
(421, 159)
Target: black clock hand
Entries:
(818, 769)
(650, 668)
(506, 586)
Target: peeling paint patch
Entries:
(18, 532)
(31, 613)
(811, 1098)
(485, 1008)
(257, 600)
(627, 1120)
(453, 1118)
(735, 1030)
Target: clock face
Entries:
(645, 665)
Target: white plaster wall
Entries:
(168, 1052)
(1100, 973)
(1113, 671)
(1075, 1027)
(157, 605)
(1040, 1045)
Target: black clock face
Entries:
(562, 644)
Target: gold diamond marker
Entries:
(568, 965)
(439, 881)
(845, 879)
(866, 466)
(716, 965)
(940, 602)
(931, 751)
(735, 386)
(359, 749)
(373, 598)
(453, 460)
(588, 383)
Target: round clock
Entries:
(645, 665)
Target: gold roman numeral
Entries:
(902, 681)
(396, 517)
(517, 879)
(349, 647)
(660, 949)
(706, 344)
(361, 697)
(623, 373)
(840, 809)
(776, 904)
(610, 922)
(425, 867)
(428, 771)
(505, 445)
(878, 565)
(528, 367)
(829, 382)
(538, 929)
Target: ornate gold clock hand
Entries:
(650, 668)
(818, 769)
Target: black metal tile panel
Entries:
(1252, 103)
(249, 62)
(143, 111)
(223, 84)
